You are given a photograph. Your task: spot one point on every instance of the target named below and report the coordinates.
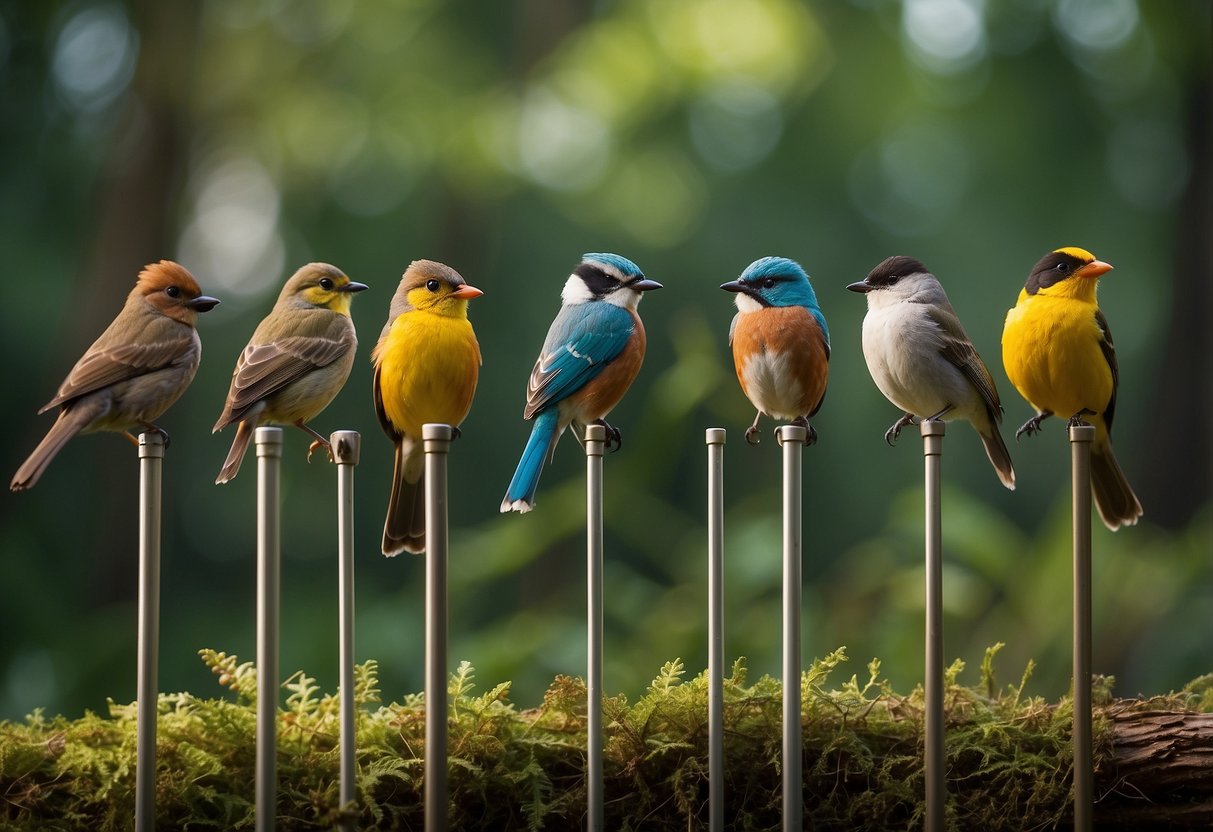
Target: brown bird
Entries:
(296, 362)
(427, 363)
(139, 366)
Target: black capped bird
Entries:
(1057, 350)
(922, 360)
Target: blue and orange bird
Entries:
(590, 358)
(427, 363)
(781, 344)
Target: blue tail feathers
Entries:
(520, 496)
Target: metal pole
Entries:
(595, 444)
(715, 441)
(791, 438)
(933, 751)
(269, 463)
(151, 461)
(437, 439)
(1081, 437)
(346, 445)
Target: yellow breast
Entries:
(1051, 352)
(428, 368)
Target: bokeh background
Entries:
(246, 137)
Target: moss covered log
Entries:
(1008, 757)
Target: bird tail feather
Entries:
(404, 529)
(70, 422)
(1118, 505)
(999, 456)
(231, 465)
(520, 496)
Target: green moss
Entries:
(1008, 755)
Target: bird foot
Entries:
(892, 433)
(148, 427)
(751, 435)
(811, 438)
(614, 439)
(1031, 426)
(320, 443)
(455, 433)
(1076, 420)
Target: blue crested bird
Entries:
(592, 353)
(781, 344)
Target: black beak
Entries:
(733, 286)
(645, 285)
(353, 287)
(202, 303)
(863, 287)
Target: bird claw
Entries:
(455, 433)
(892, 433)
(320, 443)
(752, 436)
(1031, 426)
(614, 439)
(1076, 420)
(811, 432)
(150, 428)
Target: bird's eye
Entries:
(172, 291)
(1063, 267)
(432, 285)
(769, 283)
(326, 284)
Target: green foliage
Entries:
(512, 769)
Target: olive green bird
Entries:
(297, 361)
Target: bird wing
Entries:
(264, 369)
(390, 429)
(104, 364)
(582, 340)
(956, 347)
(1109, 353)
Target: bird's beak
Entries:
(732, 286)
(645, 285)
(353, 287)
(202, 303)
(863, 287)
(466, 292)
(1093, 269)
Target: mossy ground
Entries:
(1008, 756)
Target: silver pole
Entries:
(791, 438)
(151, 461)
(933, 751)
(1081, 437)
(595, 444)
(346, 446)
(715, 440)
(437, 439)
(269, 463)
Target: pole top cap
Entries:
(714, 436)
(346, 445)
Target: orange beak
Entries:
(467, 292)
(1093, 269)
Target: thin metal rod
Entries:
(151, 461)
(595, 445)
(269, 463)
(437, 439)
(346, 445)
(715, 440)
(791, 438)
(933, 740)
(1081, 437)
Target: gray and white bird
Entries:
(922, 360)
